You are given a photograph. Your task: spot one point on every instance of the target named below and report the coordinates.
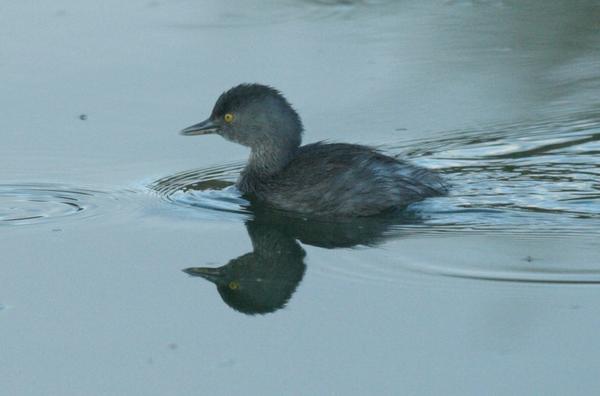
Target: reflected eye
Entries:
(233, 285)
(228, 117)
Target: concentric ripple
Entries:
(529, 270)
(35, 203)
(522, 275)
(209, 188)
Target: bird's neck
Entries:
(263, 164)
(268, 161)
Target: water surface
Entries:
(491, 289)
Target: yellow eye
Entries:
(233, 285)
(228, 117)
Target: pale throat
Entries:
(269, 160)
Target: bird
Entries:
(318, 179)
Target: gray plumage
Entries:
(318, 179)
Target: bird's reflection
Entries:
(265, 279)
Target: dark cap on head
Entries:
(243, 94)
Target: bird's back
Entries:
(346, 179)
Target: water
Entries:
(491, 289)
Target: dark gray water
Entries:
(492, 289)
